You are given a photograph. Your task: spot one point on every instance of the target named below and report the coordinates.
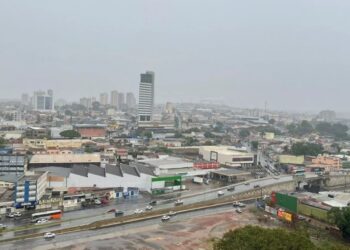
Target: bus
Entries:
(54, 214)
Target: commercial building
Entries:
(91, 130)
(43, 101)
(121, 101)
(130, 100)
(327, 163)
(226, 155)
(111, 176)
(104, 98)
(29, 190)
(146, 97)
(37, 132)
(291, 159)
(12, 165)
(55, 144)
(114, 98)
(64, 160)
(86, 102)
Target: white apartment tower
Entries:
(114, 98)
(146, 97)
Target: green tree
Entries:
(244, 133)
(254, 145)
(341, 218)
(147, 134)
(2, 142)
(70, 134)
(208, 135)
(300, 129)
(305, 148)
(258, 238)
(272, 121)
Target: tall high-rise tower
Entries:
(146, 97)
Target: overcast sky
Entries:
(293, 54)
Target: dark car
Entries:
(256, 186)
(152, 203)
(231, 189)
(118, 213)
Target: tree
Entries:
(147, 134)
(208, 135)
(341, 218)
(300, 129)
(305, 148)
(254, 145)
(337, 130)
(70, 134)
(258, 238)
(177, 134)
(244, 133)
(2, 141)
(272, 121)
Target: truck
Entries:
(198, 180)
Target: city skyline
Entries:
(295, 60)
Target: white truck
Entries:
(198, 180)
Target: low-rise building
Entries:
(328, 163)
(12, 165)
(64, 160)
(226, 155)
(91, 130)
(29, 189)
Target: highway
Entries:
(74, 238)
(87, 216)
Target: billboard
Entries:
(284, 215)
(287, 202)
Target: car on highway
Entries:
(118, 213)
(256, 186)
(3, 226)
(230, 189)
(247, 183)
(220, 193)
(179, 202)
(10, 215)
(165, 218)
(138, 211)
(111, 210)
(17, 214)
(148, 208)
(152, 203)
(171, 213)
(238, 204)
(97, 202)
(41, 221)
(49, 235)
(238, 210)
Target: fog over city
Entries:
(291, 54)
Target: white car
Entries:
(165, 218)
(220, 193)
(3, 226)
(97, 202)
(238, 210)
(138, 211)
(49, 235)
(240, 204)
(17, 214)
(41, 221)
(171, 213)
(179, 202)
(10, 215)
(149, 208)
